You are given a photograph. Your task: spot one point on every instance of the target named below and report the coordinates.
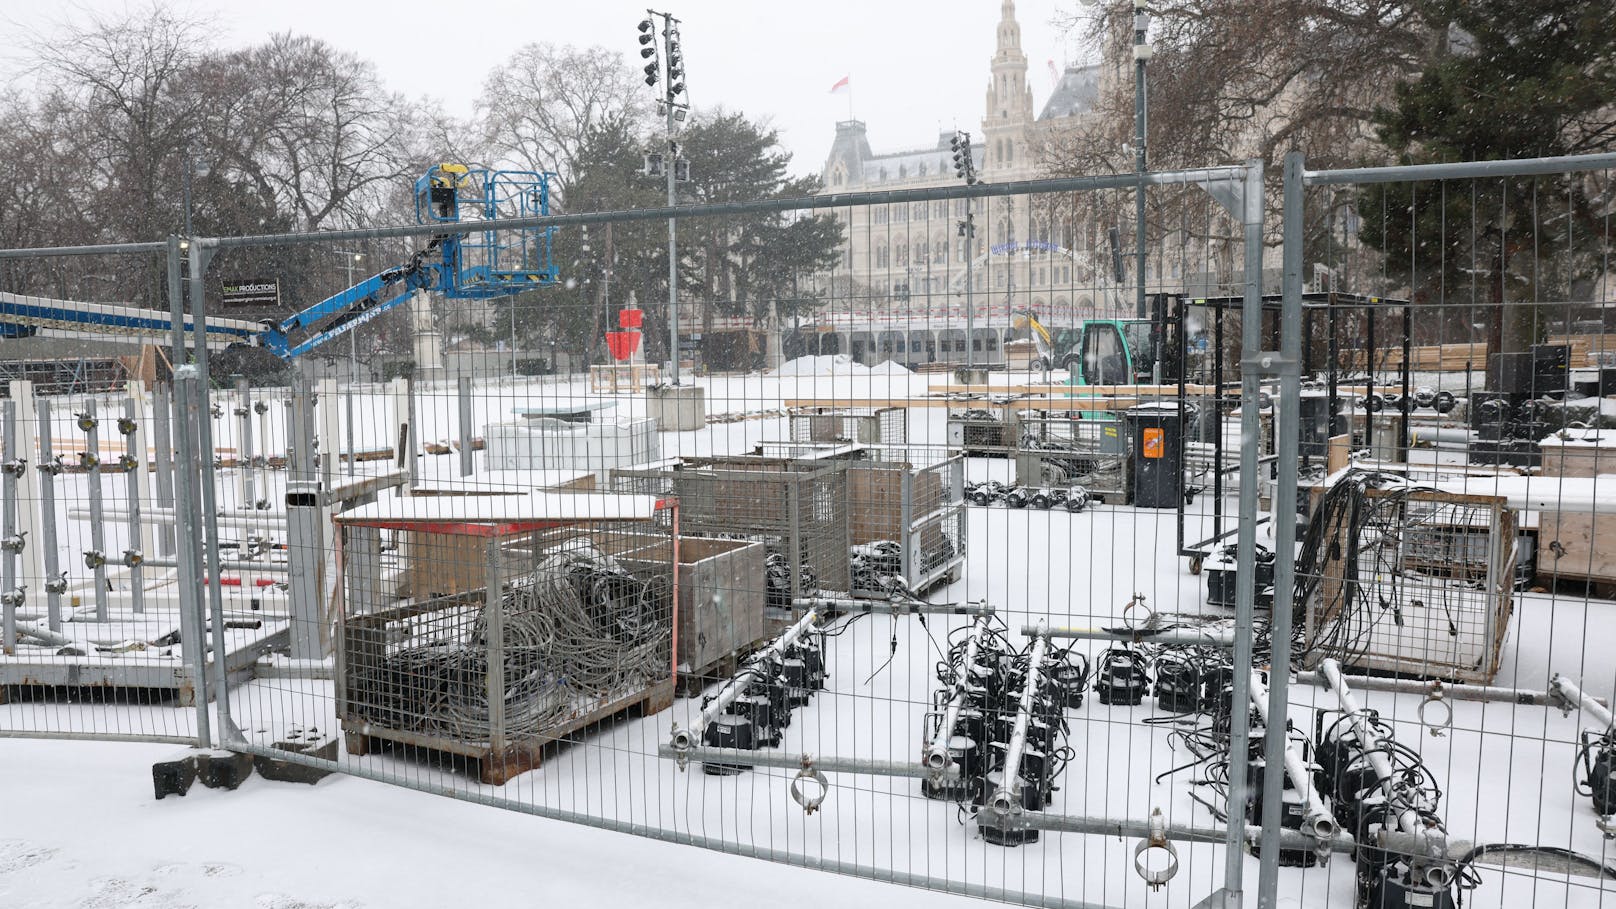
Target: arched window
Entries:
(881, 256)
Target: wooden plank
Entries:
(1338, 455)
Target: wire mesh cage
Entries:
(573, 622)
(797, 508)
(1415, 582)
(906, 520)
(862, 425)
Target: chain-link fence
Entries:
(960, 560)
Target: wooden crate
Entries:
(1448, 613)
(496, 767)
(499, 674)
(1571, 545)
(438, 564)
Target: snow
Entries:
(826, 365)
(1506, 767)
(86, 834)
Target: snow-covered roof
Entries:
(1076, 92)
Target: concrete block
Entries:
(173, 777)
(310, 743)
(677, 408)
(223, 769)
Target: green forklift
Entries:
(1105, 351)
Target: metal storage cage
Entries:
(1424, 591)
(797, 508)
(577, 606)
(1056, 450)
(983, 427)
(914, 499)
(861, 425)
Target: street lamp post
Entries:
(1141, 55)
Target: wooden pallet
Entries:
(498, 767)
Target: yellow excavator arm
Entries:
(1026, 318)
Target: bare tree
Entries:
(540, 105)
(309, 127)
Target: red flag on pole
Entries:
(840, 85)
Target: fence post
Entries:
(32, 522)
(1286, 431)
(163, 457)
(139, 545)
(463, 385)
(10, 544)
(193, 622)
(1246, 575)
(208, 499)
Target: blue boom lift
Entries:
(477, 266)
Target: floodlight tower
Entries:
(965, 169)
(668, 67)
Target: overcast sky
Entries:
(916, 66)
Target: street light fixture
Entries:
(965, 169)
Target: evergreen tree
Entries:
(1518, 79)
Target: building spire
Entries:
(1009, 30)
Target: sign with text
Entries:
(254, 292)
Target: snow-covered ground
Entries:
(94, 837)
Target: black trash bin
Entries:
(1154, 440)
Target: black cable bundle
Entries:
(1359, 538)
(777, 580)
(576, 631)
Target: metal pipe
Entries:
(685, 739)
(1196, 637)
(1407, 173)
(747, 850)
(54, 583)
(1141, 54)
(1569, 695)
(896, 607)
(209, 486)
(98, 516)
(936, 757)
(795, 760)
(1287, 432)
(248, 520)
(463, 392)
(1341, 841)
(1005, 800)
(1251, 310)
(1317, 821)
(8, 528)
(102, 249)
(132, 482)
(228, 565)
(1407, 820)
(1458, 691)
(193, 646)
(760, 206)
